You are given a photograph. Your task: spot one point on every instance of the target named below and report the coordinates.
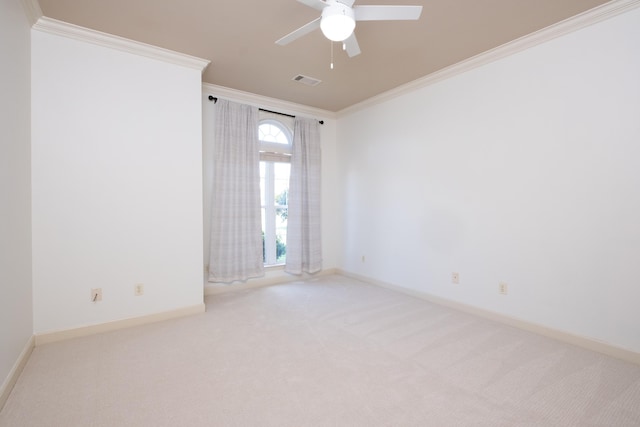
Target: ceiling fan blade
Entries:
(351, 45)
(386, 13)
(316, 4)
(304, 30)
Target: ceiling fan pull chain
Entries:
(331, 54)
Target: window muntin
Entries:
(275, 139)
(273, 131)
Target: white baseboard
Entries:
(49, 337)
(15, 372)
(587, 343)
(215, 289)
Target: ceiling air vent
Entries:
(309, 81)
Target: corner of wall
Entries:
(32, 10)
(14, 374)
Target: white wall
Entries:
(117, 183)
(15, 187)
(330, 196)
(525, 171)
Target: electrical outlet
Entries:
(455, 278)
(503, 288)
(96, 294)
(138, 289)
(362, 258)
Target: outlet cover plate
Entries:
(138, 289)
(503, 288)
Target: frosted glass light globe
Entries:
(337, 22)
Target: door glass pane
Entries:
(281, 184)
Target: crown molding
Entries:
(266, 102)
(575, 23)
(32, 10)
(60, 28)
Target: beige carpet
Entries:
(327, 352)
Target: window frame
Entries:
(271, 153)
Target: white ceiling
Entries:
(238, 37)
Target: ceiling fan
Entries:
(339, 18)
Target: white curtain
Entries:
(236, 229)
(304, 245)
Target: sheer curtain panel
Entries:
(236, 230)
(304, 245)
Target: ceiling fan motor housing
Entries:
(338, 22)
(339, 18)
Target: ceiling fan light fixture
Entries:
(337, 22)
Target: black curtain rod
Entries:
(214, 99)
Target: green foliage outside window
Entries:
(281, 249)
